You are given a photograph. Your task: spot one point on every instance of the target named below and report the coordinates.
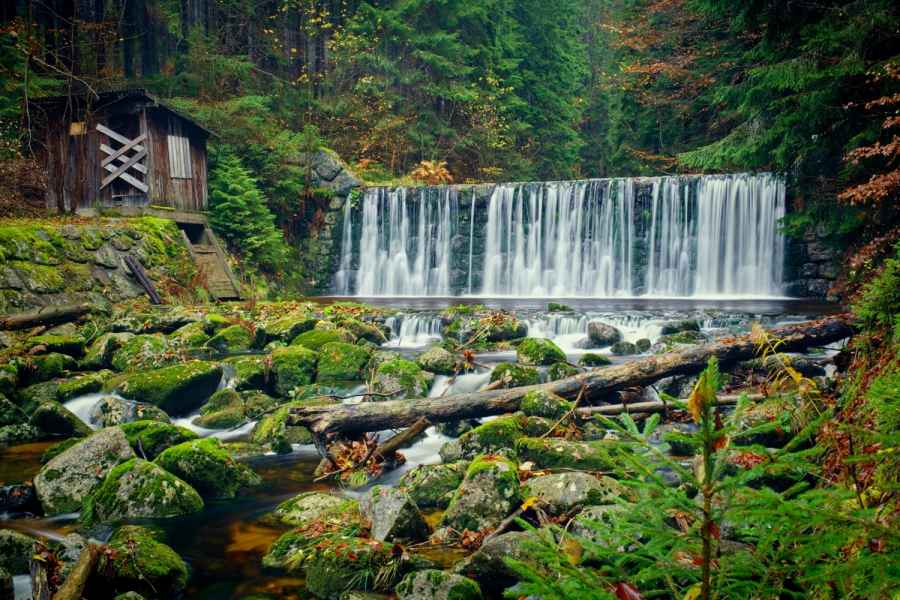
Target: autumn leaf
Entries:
(625, 591)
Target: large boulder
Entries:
(89, 383)
(146, 351)
(556, 453)
(496, 436)
(539, 351)
(73, 345)
(208, 467)
(602, 334)
(439, 361)
(339, 361)
(234, 338)
(431, 584)
(16, 550)
(54, 419)
(339, 564)
(511, 375)
(140, 489)
(49, 366)
(100, 352)
(292, 367)
(192, 335)
(274, 430)
(487, 495)
(177, 390)
(489, 567)
(247, 372)
(224, 410)
(10, 414)
(138, 562)
(393, 515)
(402, 378)
(303, 509)
(151, 438)
(289, 327)
(316, 338)
(433, 486)
(64, 482)
(31, 397)
(560, 492)
(541, 403)
(112, 410)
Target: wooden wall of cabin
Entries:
(187, 194)
(73, 165)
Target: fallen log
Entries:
(598, 383)
(48, 315)
(73, 587)
(651, 406)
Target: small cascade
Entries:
(413, 330)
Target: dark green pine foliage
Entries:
(238, 212)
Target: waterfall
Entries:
(654, 236)
(413, 330)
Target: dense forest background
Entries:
(499, 89)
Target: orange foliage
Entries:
(432, 172)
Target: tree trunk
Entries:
(49, 315)
(73, 587)
(598, 384)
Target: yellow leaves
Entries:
(693, 592)
(432, 172)
(703, 395)
(529, 502)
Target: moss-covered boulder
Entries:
(556, 453)
(560, 370)
(671, 327)
(439, 361)
(16, 550)
(248, 372)
(292, 367)
(393, 515)
(487, 495)
(10, 435)
(49, 366)
(100, 353)
(192, 335)
(402, 378)
(513, 375)
(602, 334)
(623, 349)
(178, 389)
(289, 327)
(224, 410)
(340, 564)
(560, 492)
(234, 338)
(541, 403)
(431, 584)
(31, 397)
(273, 429)
(112, 410)
(496, 436)
(771, 422)
(89, 383)
(138, 562)
(489, 565)
(682, 338)
(55, 420)
(140, 489)
(73, 345)
(208, 467)
(433, 486)
(305, 508)
(64, 482)
(643, 344)
(339, 361)
(9, 378)
(364, 330)
(539, 351)
(151, 438)
(591, 359)
(316, 338)
(147, 351)
(10, 414)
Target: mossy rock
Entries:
(643, 345)
(680, 326)
(146, 351)
(556, 453)
(288, 328)
(303, 509)
(100, 352)
(539, 351)
(192, 335)
(11, 435)
(402, 378)
(487, 495)
(771, 422)
(58, 448)
(72, 345)
(178, 389)
(541, 403)
(272, 429)
(234, 338)
(560, 370)
(494, 436)
(339, 361)
(394, 516)
(316, 338)
(560, 492)
(623, 349)
(438, 360)
(54, 419)
(151, 438)
(591, 359)
(31, 397)
(16, 550)
(682, 338)
(112, 410)
(340, 564)
(208, 467)
(213, 322)
(513, 375)
(9, 378)
(292, 367)
(432, 584)
(140, 563)
(10, 414)
(557, 307)
(433, 486)
(81, 385)
(140, 489)
(362, 330)
(40, 279)
(49, 366)
(250, 372)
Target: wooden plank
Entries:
(111, 168)
(113, 135)
(138, 271)
(114, 154)
(122, 169)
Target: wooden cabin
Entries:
(121, 149)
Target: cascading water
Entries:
(656, 236)
(412, 330)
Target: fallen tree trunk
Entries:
(650, 406)
(73, 588)
(598, 384)
(49, 315)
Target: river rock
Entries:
(64, 482)
(432, 584)
(393, 515)
(538, 351)
(150, 438)
(560, 370)
(593, 521)
(602, 335)
(779, 414)
(671, 327)
(73, 345)
(556, 453)
(438, 360)
(287, 328)
(9, 378)
(140, 489)
(335, 564)
(364, 330)
(342, 362)
(16, 550)
(623, 349)
(54, 419)
(316, 338)
(112, 410)
(18, 498)
(292, 367)
(303, 509)
(192, 335)
(18, 434)
(433, 486)
(489, 492)
(402, 378)
(10, 414)
(7, 588)
(99, 354)
(89, 383)
(250, 372)
(560, 492)
(643, 344)
(49, 366)
(234, 338)
(208, 467)
(591, 359)
(147, 351)
(274, 430)
(140, 563)
(488, 565)
(513, 375)
(224, 410)
(541, 403)
(496, 436)
(177, 390)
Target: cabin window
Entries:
(179, 152)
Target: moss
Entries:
(339, 361)
(141, 352)
(432, 583)
(549, 453)
(100, 352)
(150, 438)
(495, 436)
(341, 564)
(49, 366)
(55, 450)
(591, 359)
(432, 486)
(643, 345)
(34, 395)
(680, 326)
(560, 370)
(32, 241)
(362, 330)
(72, 345)
(224, 409)
(178, 389)
(208, 467)
(140, 563)
(234, 338)
(10, 414)
(250, 372)
(540, 403)
(403, 376)
(213, 322)
(292, 367)
(192, 335)
(489, 492)
(303, 509)
(683, 338)
(40, 279)
(514, 375)
(288, 328)
(623, 348)
(79, 386)
(316, 338)
(54, 419)
(9, 378)
(539, 351)
(273, 429)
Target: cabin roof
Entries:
(102, 100)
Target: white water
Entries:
(569, 331)
(698, 236)
(413, 330)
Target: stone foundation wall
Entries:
(812, 266)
